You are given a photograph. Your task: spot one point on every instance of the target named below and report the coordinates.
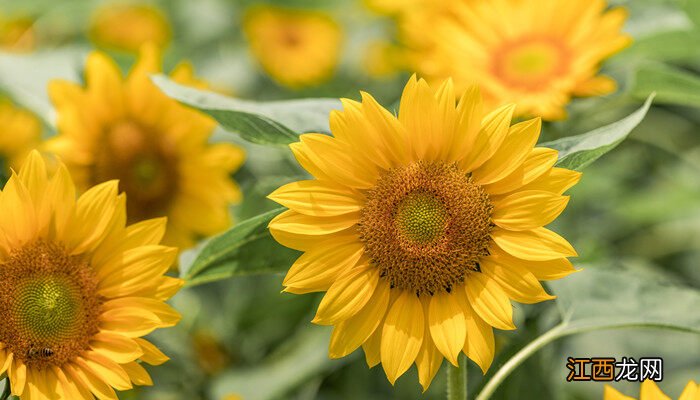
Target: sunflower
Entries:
(78, 288)
(127, 27)
(422, 228)
(296, 48)
(536, 54)
(157, 149)
(650, 391)
(21, 133)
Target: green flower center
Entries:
(421, 217)
(49, 306)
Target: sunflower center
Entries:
(530, 63)
(145, 165)
(425, 226)
(48, 304)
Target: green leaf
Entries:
(595, 299)
(247, 248)
(276, 123)
(576, 152)
(672, 85)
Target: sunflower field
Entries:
(349, 199)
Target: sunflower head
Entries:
(78, 287)
(127, 129)
(127, 27)
(538, 54)
(422, 228)
(296, 48)
(650, 391)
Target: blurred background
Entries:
(636, 210)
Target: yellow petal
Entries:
(596, 86)
(5, 360)
(116, 347)
(295, 223)
(72, 389)
(539, 244)
(556, 180)
(104, 82)
(151, 354)
(516, 147)
(19, 225)
(447, 324)
(469, 114)
(92, 216)
(142, 233)
(18, 376)
(80, 371)
(517, 282)
(650, 391)
(538, 162)
(528, 209)
(317, 199)
(130, 322)
(107, 370)
(609, 393)
(429, 358)
(402, 335)
(61, 192)
(419, 113)
(489, 301)
(318, 268)
(353, 332)
(162, 289)
(33, 176)
(137, 268)
(166, 314)
(389, 131)
(372, 347)
(480, 345)
(543, 270)
(137, 374)
(494, 129)
(690, 392)
(347, 295)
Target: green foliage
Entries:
(267, 123)
(577, 152)
(672, 85)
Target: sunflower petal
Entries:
(317, 198)
(447, 325)
(528, 209)
(347, 295)
(489, 301)
(402, 335)
(539, 244)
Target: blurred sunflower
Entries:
(297, 48)
(157, 149)
(17, 34)
(78, 288)
(127, 27)
(650, 391)
(535, 54)
(21, 132)
(422, 228)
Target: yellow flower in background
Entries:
(422, 228)
(535, 54)
(296, 48)
(17, 34)
(381, 59)
(126, 27)
(21, 132)
(393, 7)
(78, 288)
(650, 391)
(158, 149)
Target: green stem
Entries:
(457, 380)
(6, 392)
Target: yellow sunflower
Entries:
(158, 149)
(127, 27)
(536, 54)
(422, 228)
(78, 288)
(296, 48)
(650, 391)
(21, 132)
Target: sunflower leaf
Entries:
(672, 85)
(275, 123)
(577, 152)
(247, 248)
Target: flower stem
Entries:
(457, 380)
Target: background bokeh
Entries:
(637, 210)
